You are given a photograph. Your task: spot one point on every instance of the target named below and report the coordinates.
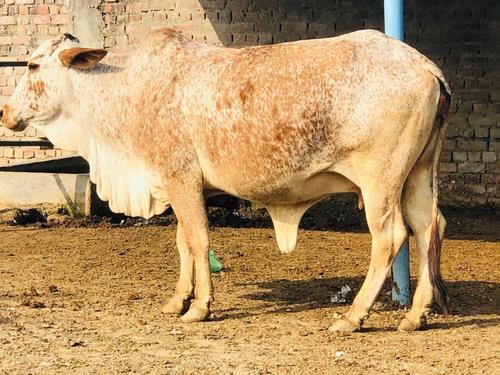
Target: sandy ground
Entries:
(87, 301)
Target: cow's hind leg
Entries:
(386, 224)
(179, 302)
(417, 209)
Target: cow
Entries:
(172, 121)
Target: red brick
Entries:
(137, 7)
(40, 154)
(25, 40)
(135, 18)
(59, 19)
(55, 9)
(23, 10)
(107, 8)
(40, 19)
(40, 9)
(8, 152)
(448, 167)
(28, 154)
(42, 30)
(7, 91)
(54, 30)
(5, 40)
(489, 157)
(136, 28)
(8, 20)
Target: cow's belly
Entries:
(310, 185)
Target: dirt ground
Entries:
(87, 300)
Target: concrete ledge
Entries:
(61, 164)
(23, 188)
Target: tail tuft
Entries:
(438, 286)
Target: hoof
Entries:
(176, 306)
(407, 325)
(344, 325)
(195, 314)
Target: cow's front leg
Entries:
(179, 302)
(189, 208)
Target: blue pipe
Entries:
(394, 27)
(401, 276)
(393, 18)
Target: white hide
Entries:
(128, 186)
(120, 179)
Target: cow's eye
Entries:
(33, 66)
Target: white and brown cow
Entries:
(173, 121)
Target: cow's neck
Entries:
(91, 126)
(93, 113)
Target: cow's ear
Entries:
(81, 58)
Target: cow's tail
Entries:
(441, 122)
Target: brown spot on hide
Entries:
(37, 87)
(171, 33)
(274, 111)
(246, 91)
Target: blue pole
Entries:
(394, 27)
(393, 18)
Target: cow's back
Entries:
(257, 118)
(262, 116)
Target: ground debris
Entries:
(76, 343)
(23, 217)
(57, 219)
(53, 289)
(341, 295)
(33, 304)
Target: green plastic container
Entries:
(215, 263)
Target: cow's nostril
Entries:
(1, 114)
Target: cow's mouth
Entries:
(18, 126)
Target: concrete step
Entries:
(73, 191)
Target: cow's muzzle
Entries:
(11, 123)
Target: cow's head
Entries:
(38, 98)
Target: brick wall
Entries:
(463, 37)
